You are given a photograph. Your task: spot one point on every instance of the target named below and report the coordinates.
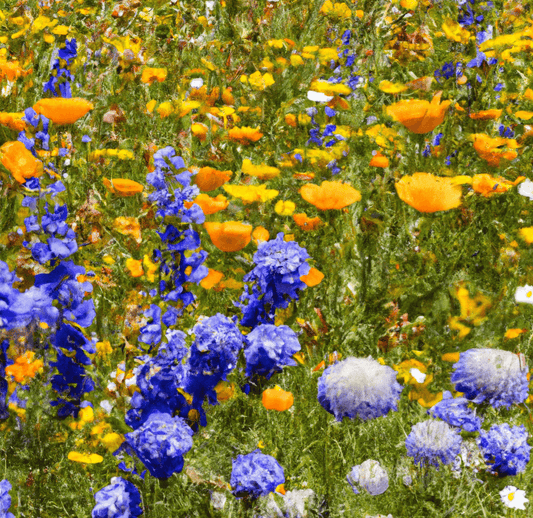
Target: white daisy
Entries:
(513, 497)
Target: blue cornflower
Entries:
(432, 441)
(5, 499)
(491, 375)
(85, 139)
(120, 499)
(161, 443)
(269, 348)
(505, 132)
(151, 333)
(358, 387)
(279, 264)
(505, 449)
(456, 413)
(255, 475)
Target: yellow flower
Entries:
(451, 357)
(338, 10)
(135, 267)
(296, 60)
(455, 32)
(103, 348)
(199, 130)
(257, 81)
(391, 88)
(329, 88)
(165, 109)
(128, 227)
(526, 234)
(285, 208)
(151, 105)
(112, 441)
(513, 333)
(151, 268)
(85, 458)
(263, 171)
(473, 311)
(251, 193)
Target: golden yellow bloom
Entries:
(135, 267)
(330, 88)
(337, 10)
(165, 109)
(513, 333)
(486, 115)
(244, 135)
(451, 357)
(199, 130)
(24, 368)
(103, 348)
(149, 75)
(251, 193)
(473, 310)
(128, 227)
(85, 458)
(258, 81)
(391, 88)
(493, 150)
(262, 171)
(112, 441)
(455, 32)
(151, 268)
(12, 121)
(225, 390)
(285, 208)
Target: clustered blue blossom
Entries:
(61, 77)
(456, 413)
(37, 130)
(120, 499)
(269, 348)
(255, 474)
(161, 442)
(505, 449)
(431, 442)
(5, 499)
(275, 279)
(358, 387)
(491, 375)
(213, 355)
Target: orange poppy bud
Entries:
(379, 160)
(209, 205)
(313, 278)
(277, 399)
(63, 111)
(123, 186)
(230, 236)
(20, 162)
(486, 115)
(244, 135)
(306, 223)
(419, 116)
(428, 193)
(330, 195)
(212, 279)
(209, 179)
(260, 234)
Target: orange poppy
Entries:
(123, 186)
(306, 223)
(379, 160)
(11, 70)
(225, 390)
(212, 279)
(20, 162)
(313, 278)
(486, 115)
(493, 150)
(244, 135)
(12, 121)
(330, 195)
(63, 111)
(419, 116)
(149, 75)
(428, 193)
(209, 179)
(260, 234)
(209, 205)
(229, 236)
(277, 399)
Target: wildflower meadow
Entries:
(266, 258)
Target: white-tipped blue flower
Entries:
(358, 387)
(456, 412)
(432, 441)
(370, 476)
(491, 375)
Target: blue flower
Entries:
(161, 443)
(456, 413)
(491, 375)
(358, 387)
(269, 348)
(5, 499)
(255, 475)
(4, 362)
(370, 476)
(120, 499)
(432, 441)
(505, 449)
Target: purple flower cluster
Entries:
(61, 77)
(275, 279)
(255, 475)
(5, 499)
(456, 413)
(120, 499)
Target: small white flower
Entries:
(106, 405)
(218, 500)
(318, 97)
(417, 375)
(513, 497)
(524, 294)
(526, 189)
(197, 83)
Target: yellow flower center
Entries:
(510, 496)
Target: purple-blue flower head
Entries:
(161, 443)
(491, 375)
(269, 348)
(456, 413)
(431, 442)
(358, 387)
(5, 499)
(255, 475)
(120, 499)
(505, 449)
